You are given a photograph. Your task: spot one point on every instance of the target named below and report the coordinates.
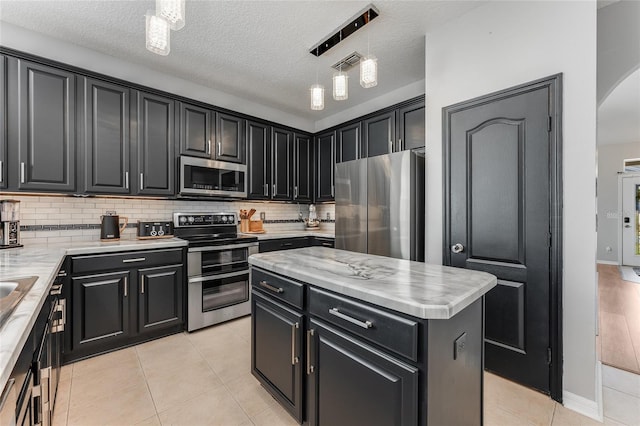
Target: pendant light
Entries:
(317, 94)
(157, 31)
(368, 68)
(340, 83)
(172, 11)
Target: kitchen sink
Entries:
(12, 290)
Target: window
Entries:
(632, 165)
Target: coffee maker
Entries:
(9, 224)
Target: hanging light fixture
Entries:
(368, 68)
(158, 31)
(340, 86)
(317, 97)
(172, 11)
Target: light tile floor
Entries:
(203, 378)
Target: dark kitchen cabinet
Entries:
(105, 137)
(259, 164)
(349, 142)
(283, 244)
(323, 242)
(350, 382)
(325, 165)
(303, 168)
(230, 141)
(156, 145)
(3, 121)
(411, 126)
(276, 353)
(281, 164)
(41, 124)
(197, 130)
(380, 134)
(160, 297)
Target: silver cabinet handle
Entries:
(142, 284)
(457, 248)
(266, 190)
(126, 180)
(22, 172)
(273, 193)
(310, 367)
(58, 325)
(400, 147)
(126, 286)
(219, 148)
(270, 287)
(141, 181)
(295, 192)
(134, 259)
(209, 147)
(294, 332)
(1, 171)
(390, 146)
(333, 190)
(363, 324)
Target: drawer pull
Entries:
(270, 287)
(294, 329)
(135, 259)
(310, 367)
(363, 324)
(327, 244)
(286, 244)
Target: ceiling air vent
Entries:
(348, 62)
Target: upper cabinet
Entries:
(197, 129)
(259, 160)
(325, 165)
(104, 137)
(411, 126)
(380, 134)
(281, 164)
(303, 168)
(230, 141)
(42, 111)
(349, 144)
(156, 149)
(3, 121)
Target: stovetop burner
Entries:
(209, 229)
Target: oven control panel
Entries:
(183, 220)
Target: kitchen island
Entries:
(341, 337)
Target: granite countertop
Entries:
(44, 262)
(292, 234)
(414, 288)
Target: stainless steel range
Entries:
(217, 265)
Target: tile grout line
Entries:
(146, 382)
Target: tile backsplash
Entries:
(63, 219)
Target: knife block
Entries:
(244, 225)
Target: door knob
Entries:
(457, 248)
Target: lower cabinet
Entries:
(294, 243)
(160, 297)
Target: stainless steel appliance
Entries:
(217, 265)
(10, 223)
(202, 177)
(380, 205)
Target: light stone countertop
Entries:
(291, 234)
(414, 288)
(44, 262)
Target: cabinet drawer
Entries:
(278, 287)
(393, 332)
(127, 260)
(284, 244)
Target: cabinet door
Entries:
(411, 126)
(276, 352)
(3, 121)
(160, 297)
(259, 146)
(156, 149)
(349, 383)
(101, 311)
(349, 141)
(281, 164)
(379, 134)
(325, 165)
(303, 162)
(105, 137)
(230, 141)
(196, 130)
(46, 128)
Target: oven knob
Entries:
(224, 218)
(190, 219)
(182, 219)
(230, 219)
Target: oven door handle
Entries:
(197, 280)
(225, 247)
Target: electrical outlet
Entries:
(263, 215)
(459, 345)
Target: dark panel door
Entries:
(160, 297)
(498, 220)
(349, 142)
(259, 147)
(350, 383)
(411, 126)
(303, 162)
(380, 133)
(276, 353)
(325, 165)
(196, 130)
(281, 164)
(3, 121)
(46, 137)
(105, 121)
(156, 149)
(100, 310)
(230, 141)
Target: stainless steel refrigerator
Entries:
(380, 205)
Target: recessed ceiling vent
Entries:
(348, 62)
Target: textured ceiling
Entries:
(619, 113)
(256, 50)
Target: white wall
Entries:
(47, 47)
(504, 44)
(610, 162)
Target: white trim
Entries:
(607, 262)
(584, 406)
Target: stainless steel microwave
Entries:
(202, 177)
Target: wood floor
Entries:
(619, 310)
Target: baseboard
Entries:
(584, 406)
(607, 262)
